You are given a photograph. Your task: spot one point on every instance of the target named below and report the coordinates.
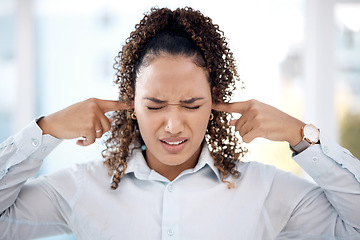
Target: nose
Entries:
(174, 123)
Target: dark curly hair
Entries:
(185, 32)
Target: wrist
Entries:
(41, 122)
(296, 134)
(310, 135)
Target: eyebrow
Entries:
(188, 101)
(154, 100)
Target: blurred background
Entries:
(301, 56)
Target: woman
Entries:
(173, 157)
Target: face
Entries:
(173, 105)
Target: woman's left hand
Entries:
(261, 120)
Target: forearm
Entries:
(337, 172)
(20, 159)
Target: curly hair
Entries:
(183, 31)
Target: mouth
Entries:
(173, 144)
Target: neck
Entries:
(172, 171)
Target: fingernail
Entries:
(232, 122)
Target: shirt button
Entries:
(170, 188)
(315, 159)
(170, 232)
(44, 149)
(34, 142)
(326, 149)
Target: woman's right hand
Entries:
(84, 119)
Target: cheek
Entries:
(148, 123)
(200, 120)
(142, 118)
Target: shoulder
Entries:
(268, 177)
(254, 169)
(94, 171)
(77, 177)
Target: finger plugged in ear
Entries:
(221, 107)
(236, 107)
(110, 105)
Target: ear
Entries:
(213, 90)
(214, 93)
(131, 94)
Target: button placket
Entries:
(170, 232)
(34, 142)
(170, 216)
(44, 149)
(315, 159)
(326, 149)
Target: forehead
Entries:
(172, 77)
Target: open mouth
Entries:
(174, 143)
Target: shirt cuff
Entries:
(29, 143)
(320, 159)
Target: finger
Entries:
(250, 136)
(110, 105)
(83, 142)
(236, 107)
(89, 139)
(105, 124)
(232, 122)
(243, 128)
(99, 132)
(80, 142)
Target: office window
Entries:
(348, 74)
(8, 68)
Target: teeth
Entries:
(174, 143)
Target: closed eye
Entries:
(158, 108)
(196, 107)
(155, 108)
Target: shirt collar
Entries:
(137, 165)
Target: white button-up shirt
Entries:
(265, 204)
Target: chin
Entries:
(174, 159)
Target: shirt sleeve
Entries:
(28, 144)
(21, 157)
(331, 210)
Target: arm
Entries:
(21, 157)
(31, 208)
(331, 210)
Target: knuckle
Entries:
(93, 106)
(91, 100)
(92, 116)
(89, 127)
(255, 112)
(252, 102)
